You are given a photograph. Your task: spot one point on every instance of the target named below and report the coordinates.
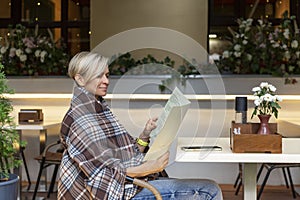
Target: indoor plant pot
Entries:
(9, 188)
(9, 144)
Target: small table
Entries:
(41, 127)
(290, 154)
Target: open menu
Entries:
(168, 124)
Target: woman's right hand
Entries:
(149, 167)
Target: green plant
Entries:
(26, 52)
(257, 47)
(149, 65)
(9, 137)
(266, 102)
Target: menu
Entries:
(168, 124)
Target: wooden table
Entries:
(290, 154)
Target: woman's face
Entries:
(99, 85)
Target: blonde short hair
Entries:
(88, 64)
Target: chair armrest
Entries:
(145, 184)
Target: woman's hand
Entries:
(150, 125)
(149, 167)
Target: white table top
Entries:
(290, 152)
(40, 126)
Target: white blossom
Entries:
(278, 98)
(294, 44)
(249, 57)
(286, 33)
(264, 84)
(237, 54)
(256, 89)
(226, 54)
(284, 46)
(237, 47)
(12, 52)
(272, 88)
(3, 50)
(275, 45)
(28, 50)
(287, 55)
(257, 101)
(19, 52)
(23, 57)
(267, 97)
(43, 53)
(37, 53)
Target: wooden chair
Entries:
(48, 158)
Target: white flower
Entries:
(3, 50)
(286, 33)
(249, 57)
(245, 42)
(298, 54)
(284, 46)
(237, 54)
(278, 98)
(19, 52)
(28, 50)
(226, 54)
(247, 29)
(287, 55)
(43, 53)
(294, 44)
(23, 57)
(37, 53)
(257, 101)
(272, 88)
(275, 45)
(237, 47)
(256, 89)
(264, 84)
(267, 97)
(249, 21)
(12, 52)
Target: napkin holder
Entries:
(30, 116)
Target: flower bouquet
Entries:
(266, 104)
(23, 52)
(258, 47)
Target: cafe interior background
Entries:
(83, 24)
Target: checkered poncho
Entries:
(98, 151)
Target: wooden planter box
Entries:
(250, 142)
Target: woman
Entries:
(100, 153)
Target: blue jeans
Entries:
(184, 189)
